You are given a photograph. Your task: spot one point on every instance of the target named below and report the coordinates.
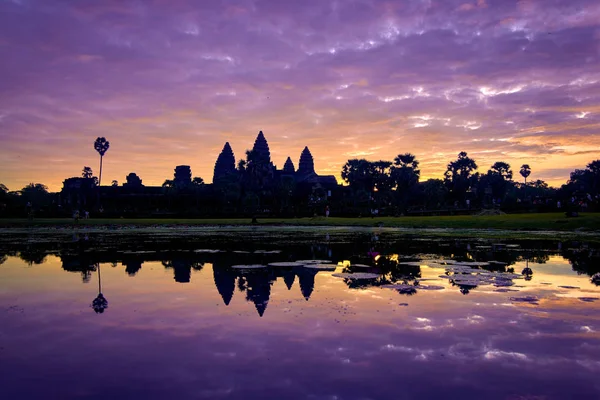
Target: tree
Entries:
(3, 189)
(502, 169)
(359, 174)
(114, 183)
(197, 181)
(87, 173)
(36, 193)
(434, 193)
(499, 177)
(132, 180)
(459, 176)
(525, 172)
(101, 145)
(405, 176)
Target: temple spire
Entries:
(306, 165)
(288, 167)
(225, 163)
(261, 147)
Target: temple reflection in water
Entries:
(385, 260)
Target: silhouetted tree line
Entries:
(395, 187)
(372, 187)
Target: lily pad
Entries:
(526, 299)
(250, 266)
(286, 264)
(356, 275)
(314, 261)
(321, 267)
(474, 263)
(588, 299)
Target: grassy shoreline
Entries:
(588, 222)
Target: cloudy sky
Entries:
(168, 82)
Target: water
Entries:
(181, 323)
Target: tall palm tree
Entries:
(101, 145)
(525, 172)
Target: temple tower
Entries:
(306, 165)
(182, 176)
(288, 167)
(225, 164)
(261, 148)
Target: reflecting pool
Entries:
(292, 313)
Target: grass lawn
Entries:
(552, 221)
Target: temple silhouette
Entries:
(252, 185)
(225, 165)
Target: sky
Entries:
(168, 82)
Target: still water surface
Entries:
(183, 317)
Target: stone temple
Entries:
(226, 166)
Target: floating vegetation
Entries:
(286, 264)
(305, 262)
(503, 283)
(588, 299)
(403, 304)
(474, 263)
(430, 287)
(596, 278)
(250, 266)
(356, 275)
(462, 269)
(569, 287)
(443, 262)
(321, 267)
(469, 281)
(505, 290)
(526, 299)
(403, 288)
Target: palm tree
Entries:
(87, 172)
(101, 145)
(525, 172)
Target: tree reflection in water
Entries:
(393, 259)
(99, 304)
